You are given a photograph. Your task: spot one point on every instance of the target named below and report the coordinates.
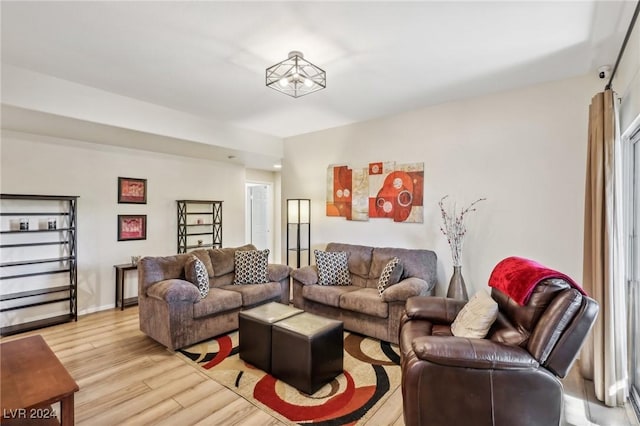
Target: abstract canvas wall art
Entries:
(380, 190)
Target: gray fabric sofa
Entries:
(360, 305)
(171, 311)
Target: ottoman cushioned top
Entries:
(270, 312)
(307, 324)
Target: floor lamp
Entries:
(299, 228)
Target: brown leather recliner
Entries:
(510, 378)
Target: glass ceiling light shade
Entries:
(296, 76)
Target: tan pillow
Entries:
(475, 318)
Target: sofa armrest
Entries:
(472, 353)
(277, 272)
(438, 310)
(306, 275)
(405, 289)
(174, 290)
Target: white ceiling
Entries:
(381, 58)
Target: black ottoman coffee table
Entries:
(307, 351)
(254, 330)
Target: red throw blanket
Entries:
(516, 277)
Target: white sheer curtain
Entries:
(605, 355)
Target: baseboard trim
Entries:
(95, 309)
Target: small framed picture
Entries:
(132, 191)
(132, 227)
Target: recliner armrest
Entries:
(174, 290)
(438, 310)
(472, 353)
(277, 272)
(307, 275)
(405, 289)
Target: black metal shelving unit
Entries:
(189, 213)
(65, 262)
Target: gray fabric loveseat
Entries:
(360, 305)
(172, 311)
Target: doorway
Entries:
(259, 216)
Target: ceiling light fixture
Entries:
(296, 76)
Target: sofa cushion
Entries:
(418, 263)
(366, 301)
(524, 318)
(327, 295)
(333, 267)
(253, 294)
(251, 266)
(359, 257)
(223, 259)
(161, 268)
(502, 331)
(390, 275)
(204, 257)
(222, 280)
(217, 301)
(476, 317)
(196, 273)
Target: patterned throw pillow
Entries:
(390, 275)
(251, 266)
(476, 317)
(333, 268)
(196, 272)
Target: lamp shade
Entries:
(293, 211)
(305, 213)
(298, 210)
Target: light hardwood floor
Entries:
(127, 378)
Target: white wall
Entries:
(525, 150)
(34, 164)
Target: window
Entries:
(634, 269)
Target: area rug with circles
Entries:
(371, 374)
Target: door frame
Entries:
(270, 215)
(630, 148)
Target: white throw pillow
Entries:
(476, 317)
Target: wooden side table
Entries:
(120, 275)
(33, 378)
